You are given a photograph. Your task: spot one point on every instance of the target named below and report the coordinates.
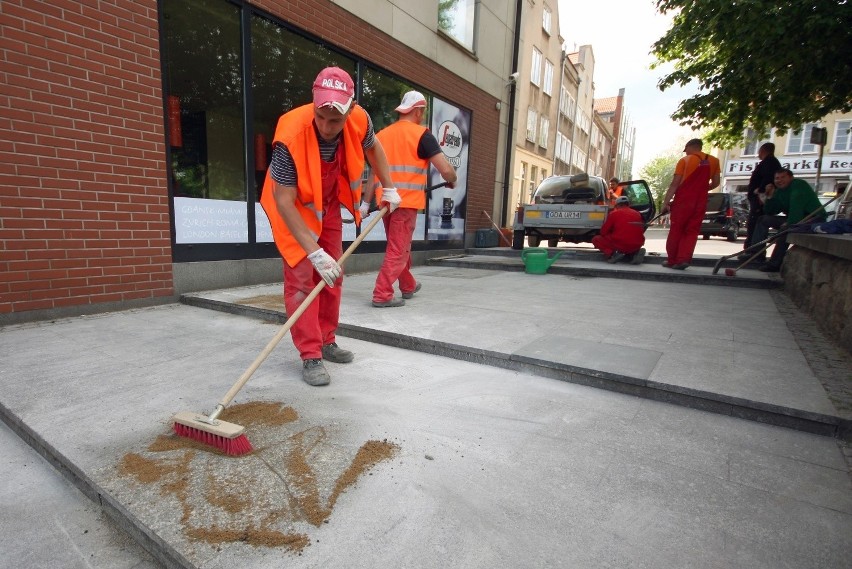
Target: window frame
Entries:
(548, 77)
(546, 20)
(803, 139)
(847, 136)
(535, 67)
(544, 131)
(470, 8)
(532, 123)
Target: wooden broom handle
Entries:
(291, 320)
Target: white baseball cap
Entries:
(411, 101)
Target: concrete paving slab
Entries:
(605, 357)
(491, 467)
(720, 348)
(47, 522)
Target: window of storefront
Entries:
(229, 73)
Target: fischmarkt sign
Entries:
(831, 164)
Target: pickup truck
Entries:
(573, 209)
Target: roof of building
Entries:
(606, 105)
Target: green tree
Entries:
(757, 63)
(658, 173)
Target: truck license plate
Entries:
(564, 214)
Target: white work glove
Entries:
(364, 209)
(325, 265)
(391, 197)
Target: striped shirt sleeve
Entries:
(283, 168)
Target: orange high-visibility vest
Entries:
(407, 171)
(296, 131)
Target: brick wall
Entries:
(84, 212)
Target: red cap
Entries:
(334, 88)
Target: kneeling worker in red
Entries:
(318, 158)
(622, 234)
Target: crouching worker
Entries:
(317, 160)
(622, 234)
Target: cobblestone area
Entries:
(831, 364)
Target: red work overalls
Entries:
(687, 213)
(318, 324)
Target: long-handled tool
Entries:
(230, 437)
(427, 190)
(761, 246)
(648, 223)
(505, 239)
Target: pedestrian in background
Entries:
(686, 199)
(318, 158)
(410, 149)
(794, 197)
(762, 176)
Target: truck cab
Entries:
(573, 209)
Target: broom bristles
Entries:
(231, 446)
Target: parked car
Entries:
(726, 216)
(573, 209)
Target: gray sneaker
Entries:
(392, 303)
(334, 353)
(407, 295)
(314, 373)
(638, 257)
(615, 257)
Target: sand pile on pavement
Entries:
(294, 476)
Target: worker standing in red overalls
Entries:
(318, 159)
(695, 175)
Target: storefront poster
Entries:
(446, 207)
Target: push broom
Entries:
(228, 437)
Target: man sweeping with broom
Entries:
(318, 157)
(317, 163)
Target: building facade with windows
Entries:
(538, 87)
(581, 137)
(136, 133)
(614, 111)
(796, 151)
(566, 118)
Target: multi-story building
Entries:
(613, 110)
(136, 133)
(538, 86)
(831, 162)
(600, 144)
(567, 116)
(581, 134)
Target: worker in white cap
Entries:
(410, 149)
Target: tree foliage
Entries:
(658, 173)
(757, 63)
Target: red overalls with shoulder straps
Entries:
(318, 324)
(687, 213)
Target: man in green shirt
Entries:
(793, 197)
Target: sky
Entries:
(621, 33)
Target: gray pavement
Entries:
(499, 453)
